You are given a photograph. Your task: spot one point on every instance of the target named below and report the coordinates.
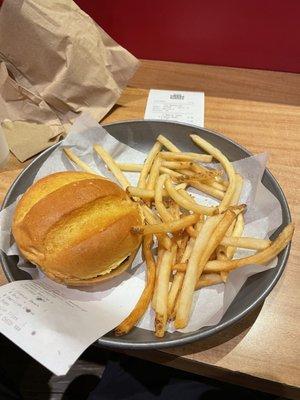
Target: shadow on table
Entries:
(232, 336)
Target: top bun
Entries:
(76, 227)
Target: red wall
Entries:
(262, 34)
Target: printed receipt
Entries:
(174, 105)
(37, 316)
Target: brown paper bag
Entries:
(28, 134)
(59, 55)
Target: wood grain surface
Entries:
(261, 111)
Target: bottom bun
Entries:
(72, 281)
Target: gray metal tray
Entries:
(141, 135)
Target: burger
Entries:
(76, 227)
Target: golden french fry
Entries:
(224, 183)
(176, 164)
(191, 231)
(172, 148)
(130, 167)
(168, 144)
(171, 156)
(207, 241)
(224, 276)
(180, 186)
(174, 209)
(205, 188)
(180, 267)
(187, 253)
(206, 182)
(185, 173)
(191, 275)
(260, 258)
(154, 173)
(185, 194)
(145, 298)
(246, 242)
(204, 281)
(160, 207)
(161, 307)
(112, 165)
(179, 236)
(173, 293)
(208, 280)
(170, 172)
(238, 209)
(147, 194)
(152, 219)
(150, 216)
(216, 185)
(236, 228)
(76, 160)
(179, 276)
(160, 254)
(141, 193)
(239, 223)
(205, 172)
(237, 232)
(181, 248)
(174, 226)
(191, 241)
(185, 203)
(218, 155)
(207, 177)
(142, 183)
(239, 181)
(178, 279)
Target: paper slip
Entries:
(174, 105)
(37, 316)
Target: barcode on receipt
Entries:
(176, 96)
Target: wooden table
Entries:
(261, 111)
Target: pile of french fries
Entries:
(196, 243)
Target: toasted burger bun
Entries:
(76, 227)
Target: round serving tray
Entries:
(140, 135)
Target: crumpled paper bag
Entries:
(28, 134)
(59, 63)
